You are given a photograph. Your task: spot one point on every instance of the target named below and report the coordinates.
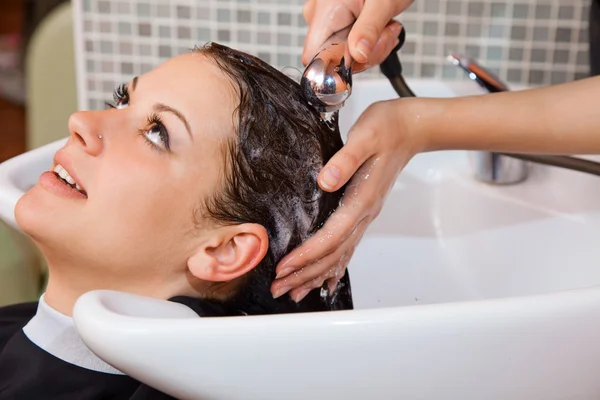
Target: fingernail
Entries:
(286, 262)
(331, 177)
(284, 272)
(281, 291)
(364, 48)
(301, 294)
(396, 30)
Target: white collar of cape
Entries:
(55, 333)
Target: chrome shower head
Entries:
(327, 80)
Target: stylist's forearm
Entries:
(561, 119)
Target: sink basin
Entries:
(462, 291)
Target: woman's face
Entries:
(145, 165)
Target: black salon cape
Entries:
(29, 373)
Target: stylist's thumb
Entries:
(360, 146)
(370, 25)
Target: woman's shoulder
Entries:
(17, 313)
(13, 318)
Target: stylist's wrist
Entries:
(423, 118)
(412, 122)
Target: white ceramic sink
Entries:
(463, 291)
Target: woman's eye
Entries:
(122, 104)
(158, 136)
(121, 97)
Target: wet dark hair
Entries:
(270, 176)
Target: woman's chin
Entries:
(38, 214)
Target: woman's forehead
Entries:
(194, 85)
(193, 74)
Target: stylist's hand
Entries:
(379, 145)
(372, 37)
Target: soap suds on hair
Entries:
(294, 214)
(255, 153)
(273, 160)
(330, 119)
(324, 293)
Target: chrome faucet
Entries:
(490, 167)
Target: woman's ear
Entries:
(230, 252)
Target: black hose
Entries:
(392, 69)
(400, 86)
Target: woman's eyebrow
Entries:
(159, 107)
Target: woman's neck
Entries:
(61, 297)
(66, 285)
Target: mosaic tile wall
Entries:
(532, 42)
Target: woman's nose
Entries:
(86, 130)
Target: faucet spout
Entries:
(477, 73)
(490, 167)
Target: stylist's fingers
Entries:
(370, 25)
(331, 266)
(325, 17)
(383, 48)
(385, 45)
(336, 230)
(332, 269)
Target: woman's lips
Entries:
(54, 184)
